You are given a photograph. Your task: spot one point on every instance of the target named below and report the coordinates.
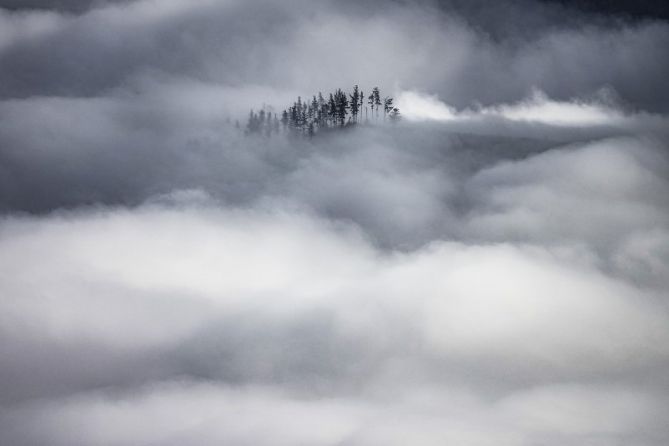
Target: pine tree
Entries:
(341, 104)
(252, 125)
(322, 110)
(370, 102)
(362, 104)
(332, 109)
(387, 106)
(355, 102)
(294, 119)
(303, 117)
(284, 121)
(275, 124)
(313, 115)
(309, 117)
(377, 99)
(298, 114)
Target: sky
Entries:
(491, 269)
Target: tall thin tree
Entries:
(355, 103)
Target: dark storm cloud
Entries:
(490, 270)
(76, 6)
(653, 9)
(304, 42)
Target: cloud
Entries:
(490, 269)
(304, 42)
(537, 109)
(164, 414)
(70, 6)
(416, 106)
(540, 109)
(269, 298)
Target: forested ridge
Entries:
(336, 111)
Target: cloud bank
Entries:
(491, 270)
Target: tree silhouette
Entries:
(307, 118)
(332, 109)
(362, 104)
(355, 103)
(387, 106)
(377, 100)
(370, 102)
(341, 104)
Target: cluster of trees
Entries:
(263, 122)
(337, 111)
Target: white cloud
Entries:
(537, 108)
(416, 106)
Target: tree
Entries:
(303, 118)
(309, 117)
(370, 102)
(322, 110)
(332, 109)
(251, 123)
(355, 103)
(298, 114)
(313, 110)
(284, 120)
(387, 106)
(341, 105)
(362, 104)
(294, 120)
(275, 124)
(377, 99)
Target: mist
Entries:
(489, 269)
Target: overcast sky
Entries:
(490, 270)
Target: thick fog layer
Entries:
(492, 269)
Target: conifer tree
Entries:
(298, 114)
(275, 124)
(370, 102)
(294, 119)
(311, 116)
(313, 109)
(332, 109)
(362, 104)
(377, 99)
(284, 120)
(303, 118)
(341, 104)
(387, 106)
(355, 102)
(322, 110)
(253, 123)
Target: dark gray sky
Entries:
(638, 8)
(491, 270)
(652, 9)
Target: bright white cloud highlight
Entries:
(538, 108)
